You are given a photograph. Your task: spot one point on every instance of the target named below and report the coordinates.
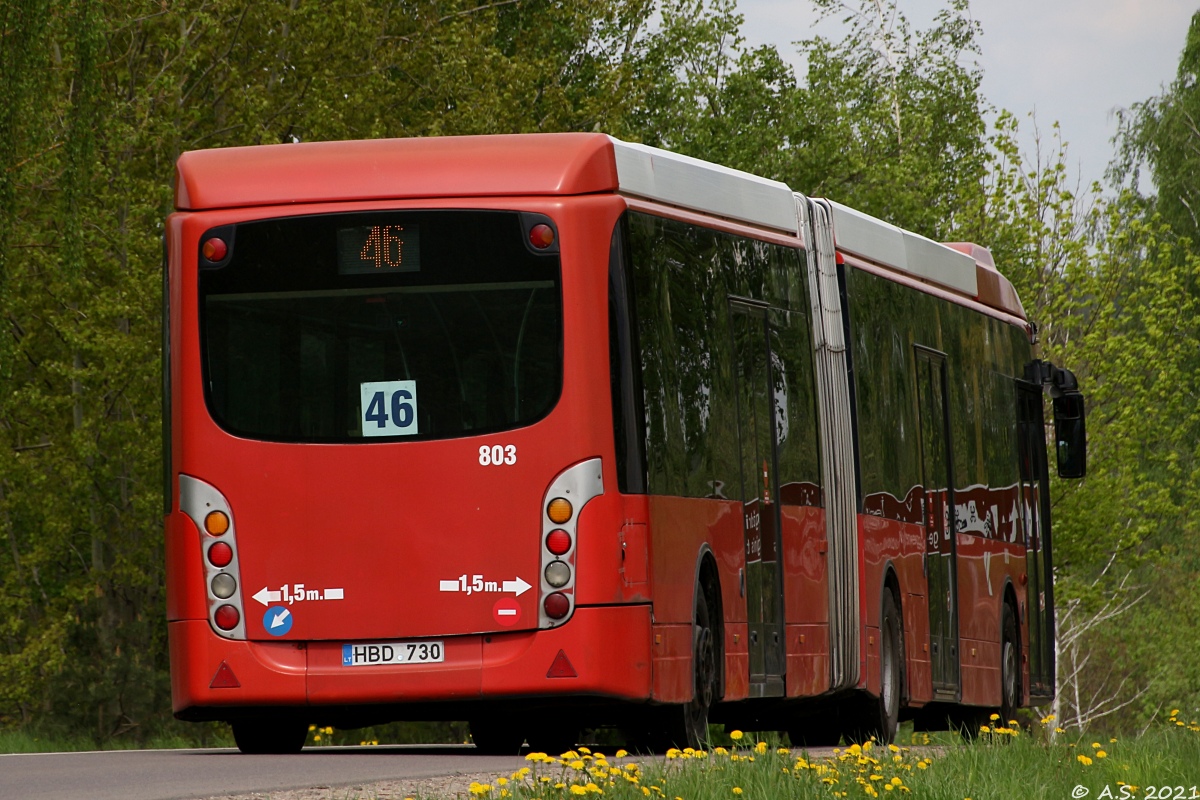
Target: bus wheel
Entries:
(881, 716)
(825, 731)
(687, 725)
(269, 736)
(1010, 665)
(495, 737)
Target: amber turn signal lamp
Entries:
(216, 523)
(559, 510)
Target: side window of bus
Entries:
(682, 277)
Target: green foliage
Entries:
(1161, 132)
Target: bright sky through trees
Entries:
(1073, 61)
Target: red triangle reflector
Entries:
(224, 679)
(561, 668)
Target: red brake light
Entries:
(541, 236)
(220, 554)
(214, 249)
(227, 617)
(558, 541)
(556, 605)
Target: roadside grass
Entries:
(52, 741)
(1003, 761)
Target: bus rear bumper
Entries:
(602, 652)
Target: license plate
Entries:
(375, 654)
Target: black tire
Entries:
(881, 715)
(1010, 665)
(266, 736)
(823, 731)
(687, 725)
(496, 738)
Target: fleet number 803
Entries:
(497, 454)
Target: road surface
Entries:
(186, 774)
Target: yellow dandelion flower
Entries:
(760, 748)
(1095, 745)
(1085, 760)
(501, 781)
(592, 788)
(1046, 720)
(622, 753)
(896, 781)
(737, 790)
(577, 789)
(317, 738)
(645, 791)
(1112, 741)
(736, 735)
(783, 751)
(576, 764)
(1174, 712)
(1101, 754)
(984, 729)
(720, 751)
(673, 753)
(1059, 730)
(312, 728)
(994, 717)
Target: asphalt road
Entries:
(185, 774)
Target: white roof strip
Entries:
(876, 240)
(701, 186)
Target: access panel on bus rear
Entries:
(369, 382)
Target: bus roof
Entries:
(560, 164)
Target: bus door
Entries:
(1032, 499)
(757, 436)
(940, 542)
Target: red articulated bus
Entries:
(555, 431)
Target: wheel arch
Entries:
(890, 583)
(708, 581)
(1008, 599)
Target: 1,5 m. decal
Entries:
(475, 584)
(296, 593)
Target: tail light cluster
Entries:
(564, 500)
(209, 509)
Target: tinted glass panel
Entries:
(303, 345)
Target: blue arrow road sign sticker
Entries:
(278, 621)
